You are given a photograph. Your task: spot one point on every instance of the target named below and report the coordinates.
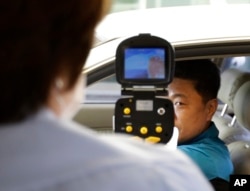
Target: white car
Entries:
(219, 32)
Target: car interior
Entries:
(228, 51)
(231, 118)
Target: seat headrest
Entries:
(231, 81)
(242, 105)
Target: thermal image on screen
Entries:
(144, 63)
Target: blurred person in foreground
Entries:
(43, 46)
(193, 92)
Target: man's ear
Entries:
(211, 108)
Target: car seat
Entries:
(242, 105)
(240, 156)
(231, 81)
(225, 119)
(240, 150)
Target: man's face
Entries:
(155, 68)
(192, 115)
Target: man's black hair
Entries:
(204, 73)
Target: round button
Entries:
(161, 111)
(158, 129)
(127, 111)
(144, 130)
(129, 129)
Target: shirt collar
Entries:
(210, 132)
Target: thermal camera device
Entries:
(144, 68)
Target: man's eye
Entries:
(178, 103)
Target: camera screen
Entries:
(144, 63)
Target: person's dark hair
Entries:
(39, 40)
(204, 73)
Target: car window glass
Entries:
(104, 91)
(123, 5)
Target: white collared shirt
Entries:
(45, 153)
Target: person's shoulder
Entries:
(120, 157)
(113, 161)
(137, 166)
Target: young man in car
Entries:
(193, 92)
